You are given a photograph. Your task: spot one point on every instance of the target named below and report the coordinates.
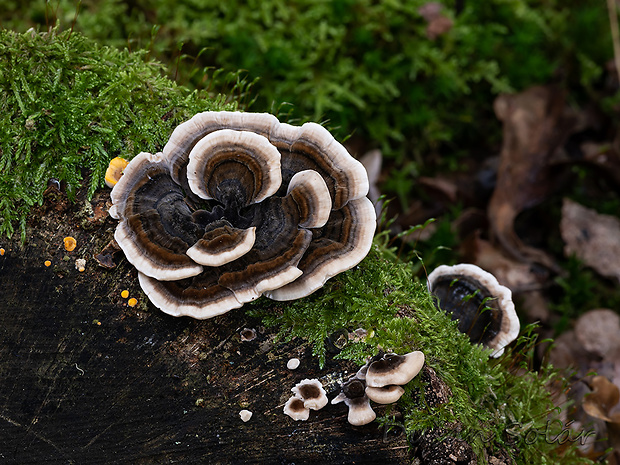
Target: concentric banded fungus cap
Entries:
(295, 409)
(394, 369)
(354, 396)
(483, 307)
(311, 392)
(239, 205)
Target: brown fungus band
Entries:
(239, 205)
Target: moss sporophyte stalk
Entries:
(69, 104)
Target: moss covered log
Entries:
(87, 376)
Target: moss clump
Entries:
(68, 106)
(497, 403)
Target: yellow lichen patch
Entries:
(125, 294)
(47, 263)
(1, 251)
(132, 302)
(70, 243)
(115, 171)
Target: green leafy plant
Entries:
(69, 106)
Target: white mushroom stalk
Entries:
(239, 205)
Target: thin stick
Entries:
(615, 35)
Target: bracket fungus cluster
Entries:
(380, 380)
(239, 205)
(308, 395)
(482, 306)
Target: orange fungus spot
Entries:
(70, 243)
(47, 263)
(115, 171)
(125, 294)
(132, 302)
(1, 251)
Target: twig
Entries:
(615, 35)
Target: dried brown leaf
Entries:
(604, 396)
(536, 123)
(592, 237)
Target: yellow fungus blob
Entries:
(47, 263)
(1, 251)
(125, 294)
(115, 171)
(132, 302)
(70, 243)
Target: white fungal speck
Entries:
(293, 364)
(80, 264)
(245, 415)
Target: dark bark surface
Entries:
(87, 379)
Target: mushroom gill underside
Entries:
(239, 205)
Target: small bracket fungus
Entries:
(311, 392)
(483, 307)
(295, 409)
(354, 396)
(394, 369)
(384, 395)
(239, 205)
(247, 334)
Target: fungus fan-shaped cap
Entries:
(338, 246)
(156, 227)
(295, 409)
(394, 369)
(311, 392)
(483, 307)
(234, 164)
(386, 394)
(239, 205)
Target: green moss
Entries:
(68, 106)
(500, 403)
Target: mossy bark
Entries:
(88, 379)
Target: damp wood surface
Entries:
(86, 378)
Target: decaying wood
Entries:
(88, 379)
